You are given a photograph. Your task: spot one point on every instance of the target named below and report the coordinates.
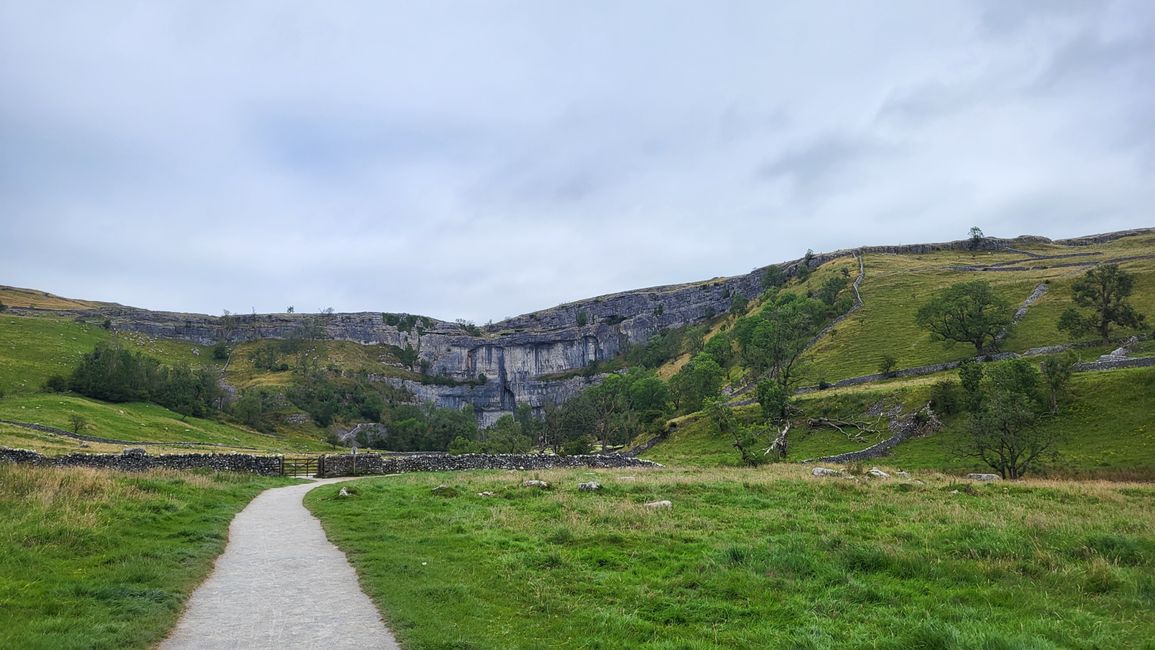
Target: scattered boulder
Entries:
(984, 477)
(134, 451)
(534, 483)
(444, 491)
(902, 474)
(590, 486)
(664, 504)
(823, 471)
(343, 493)
(487, 493)
(877, 473)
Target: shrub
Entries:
(946, 397)
(56, 384)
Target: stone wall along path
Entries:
(280, 584)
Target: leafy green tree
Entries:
(773, 277)
(1006, 431)
(886, 364)
(774, 400)
(649, 397)
(1104, 290)
(1057, 375)
(773, 342)
(78, 423)
(970, 374)
(966, 312)
(697, 380)
(828, 292)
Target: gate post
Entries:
(282, 464)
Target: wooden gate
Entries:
(301, 466)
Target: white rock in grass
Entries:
(590, 486)
(984, 477)
(659, 505)
(534, 483)
(487, 493)
(877, 473)
(823, 471)
(901, 474)
(343, 493)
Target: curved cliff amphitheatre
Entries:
(768, 460)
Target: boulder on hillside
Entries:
(984, 477)
(823, 471)
(877, 473)
(664, 504)
(534, 483)
(590, 486)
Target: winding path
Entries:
(280, 584)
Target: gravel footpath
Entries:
(280, 584)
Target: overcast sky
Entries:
(485, 159)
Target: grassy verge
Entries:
(99, 559)
(751, 559)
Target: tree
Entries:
(697, 380)
(1005, 431)
(773, 342)
(886, 365)
(966, 312)
(290, 309)
(1104, 290)
(976, 236)
(77, 423)
(1005, 435)
(773, 277)
(1056, 375)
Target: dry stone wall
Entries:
(137, 460)
(360, 464)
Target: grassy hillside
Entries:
(33, 348)
(897, 285)
(763, 558)
(1106, 428)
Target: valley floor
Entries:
(750, 558)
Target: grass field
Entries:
(100, 559)
(765, 558)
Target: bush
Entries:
(56, 384)
(946, 397)
(221, 351)
(575, 447)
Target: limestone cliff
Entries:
(516, 356)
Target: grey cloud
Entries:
(483, 160)
(813, 165)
